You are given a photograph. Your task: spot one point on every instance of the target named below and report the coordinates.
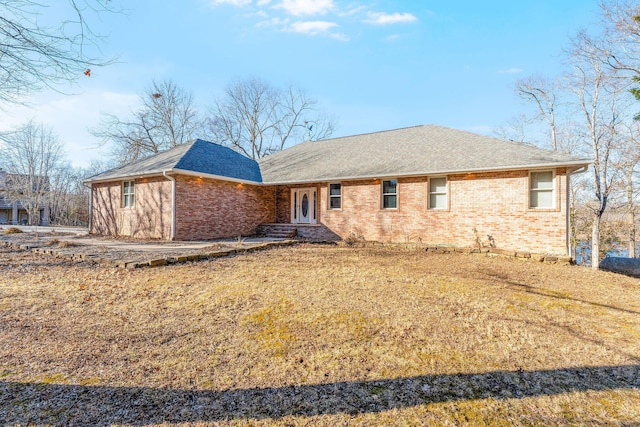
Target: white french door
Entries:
(303, 206)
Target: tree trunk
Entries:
(632, 234)
(595, 242)
(34, 216)
(632, 215)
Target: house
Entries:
(426, 183)
(13, 211)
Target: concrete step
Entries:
(277, 230)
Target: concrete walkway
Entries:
(166, 246)
(40, 229)
(79, 235)
(76, 244)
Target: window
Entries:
(335, 196)
(390, 194)
(438, 193)
(541, 190)
(128, 194)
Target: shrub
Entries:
(13, 230)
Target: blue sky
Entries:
(372, 65)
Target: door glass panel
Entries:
(305, 206)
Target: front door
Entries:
(303, 206)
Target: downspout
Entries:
(173, 204)
(577, 171)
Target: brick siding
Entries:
(492, 204)
(209, 208)
(205, 209)
(490, 207)
(150, 217)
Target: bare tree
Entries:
(256, 119)
(516, 129)
(628, 163)
(544, 95)
(166, 118)
(597, 95)
(620, 23)
(31, 156)
(68, 197)
(33, 56)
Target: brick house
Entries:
(426, 183)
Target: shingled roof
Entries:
(412, 151)
(197, 156)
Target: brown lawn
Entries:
(318, 335)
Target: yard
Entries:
(318, 335)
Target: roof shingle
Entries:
(412, 151)
(418, 150)
(196, 156)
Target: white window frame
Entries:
(128, 194)
(446, 193)
(383, 194)
(552, 190)
(331, 197)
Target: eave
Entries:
(576, 165)
(175, 171)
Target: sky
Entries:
(371, 65)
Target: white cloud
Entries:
(273, 22)
(306, 7)
(513, 70)
(263, 2)
(381, 18)
(351, 11)
(340, 36)
(312, 27)
(231, 2)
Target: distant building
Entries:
(12, 211)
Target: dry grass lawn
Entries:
(318, 335)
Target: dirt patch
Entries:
(318, 335)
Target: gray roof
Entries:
(413, 151)
(197, 156)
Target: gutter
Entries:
(581, 169)
(122, 177)
(173, 171)
(173, 204)
(581, 163)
